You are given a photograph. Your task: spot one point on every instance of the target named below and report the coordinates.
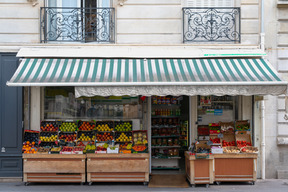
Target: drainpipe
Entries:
(263, 156)
(262, 34)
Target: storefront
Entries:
(148, 112)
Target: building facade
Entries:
(141, 29)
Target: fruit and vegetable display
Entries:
(68, 127)
(123, 137)
(227, 127)
(43, 150)
(214, 128)
(104, 136)
(249, 149)
(203, 130)
(31, 136)
(242, 125)
(215, 140)
(86, 136)
(123, 126)
(49, 126)
(231, 149)
(66, 150)
(226, 144)
(86, 126)
(140, 137)
(48, 136)
(29, 147)
(241, 144)
(55, 149)
(78, 150)
(139, 148)
(90, 148)
(67, 137)
(104, 126)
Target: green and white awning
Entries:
(152, 76)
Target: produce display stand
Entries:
(199, 171)
(120, 167)
(237, 167)
(54, 168)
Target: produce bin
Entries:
(235, 167)
(53, 168)
(199, 171)
(118, 167)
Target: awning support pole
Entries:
(149, 130)
(263, 156)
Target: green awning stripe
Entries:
(174, 70)
(245, 70)
(87, 70)
(260, 69)
(95, 70)
(229, 70)
(237, 70)
(39, 70)
(44, 76)
(214, 70)
(103, 71)
(25, 64)
(180, 64)
(270, 70)
(166, 70)
(222, 70)
(135, 70)
(79, 70)
(142, 71)
(62, 70)
(70, 70)
(253, 70)
(110, 77)
(205, 70)
(30, 70)
(126, 70)
(150, 70)
(119, 68)
(159, 77)
(52, 77)
(190, 71)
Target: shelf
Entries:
(166, 105)
(166, 157)
(154, 136)
(161, 168)
(173, 146)
(222, 102)
(164, 126)
(159, 116)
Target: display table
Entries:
(54, 168)
(199, 171)
(235, 167)
(118, 167)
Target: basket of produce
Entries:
(101, 147)
(31, 136)
(123, 137)
(78, 150)
(242, 125)
(68, 126)
(90, 148)
(55, 150)
(104, 136)
(66, 150)
(249, 149)
(86, 125)
(216, 149)
(48, 136)
(139, 137)
(215, 139)
(86, 136)
(67, 137)
(243, 140)
(140, 149)
(202, 151)
(49, 126)
(203, 130)
(227, 127)
(125, 148)
(214, 128)
(113, 149)
(231, 149)
(228, 140)
(29, 147)
(43, 150)
(105, 126)
(123, 126)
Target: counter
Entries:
(53, 168)
(118, 167)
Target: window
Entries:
(77, 20)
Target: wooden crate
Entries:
(199, 171)
(118, 167)
(54, 168)
(235, 167)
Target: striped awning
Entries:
(152, 76)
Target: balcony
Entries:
(60, 24)
(211, 25)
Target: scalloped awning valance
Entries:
(148, 77)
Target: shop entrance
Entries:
(169, 134)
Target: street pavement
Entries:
(269, 185)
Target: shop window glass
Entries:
(60, 103)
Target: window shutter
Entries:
(210, 3)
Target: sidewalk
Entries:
(269, 185)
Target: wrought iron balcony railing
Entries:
(77, 24)
(211, 24)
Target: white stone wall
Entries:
(137, 21)
(276, 30)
